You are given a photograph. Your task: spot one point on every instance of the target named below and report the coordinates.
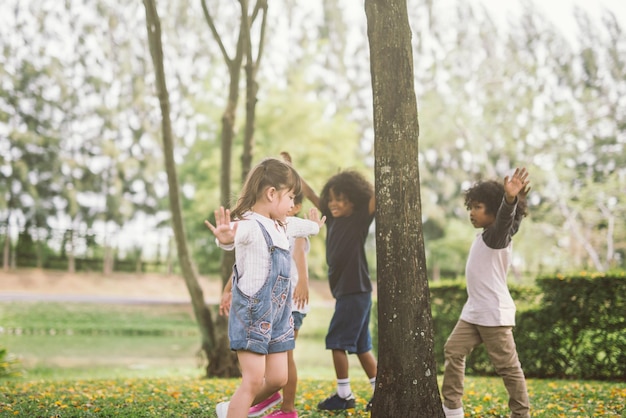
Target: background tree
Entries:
(223, 362)
(30, 113)
(74, 74)
(201, 311)
(406, 383)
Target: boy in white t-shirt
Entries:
(488, 316)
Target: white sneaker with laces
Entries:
(222, 409)
(453, 413)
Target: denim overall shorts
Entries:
(262, 323)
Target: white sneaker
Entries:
(222, 409)
(453, 413)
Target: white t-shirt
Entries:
(489, 302)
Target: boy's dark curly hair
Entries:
(490, 193)
(352, 185)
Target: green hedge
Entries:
(578, 330)
(52, 262)
(447, 300)
(567, 327)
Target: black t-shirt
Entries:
(345, 253)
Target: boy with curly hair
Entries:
(488, 316)
(348, 202)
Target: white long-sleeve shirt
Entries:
(489, 302)
(251, 255)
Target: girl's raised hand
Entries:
(223, 230)
(315, 217)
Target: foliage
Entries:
(285, 121)
(483, 120)
(80, 123)
(447, 300)
(579, 328)
(10, 364)
(192, 397)
(446, 254)
(567, 326)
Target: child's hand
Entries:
(227, 298)
(301, 294)
(223, 230)
(517, 184)
(315, 217)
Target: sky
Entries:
(558, 11)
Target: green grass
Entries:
(83, 360)
(41, 317)
(195, 397)
(104, 341)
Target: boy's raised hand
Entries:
(516, 184)
(223, 230)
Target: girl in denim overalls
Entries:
(260, 325)
(298, 232)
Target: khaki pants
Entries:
(500, 347)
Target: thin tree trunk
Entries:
(6, 253)
(202, 313)
(107, 267)
(71, 258)
(39, 248)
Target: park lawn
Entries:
(196, 397)
(85, 360)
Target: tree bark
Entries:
(71, 257)
(406, 384)
(6, 250)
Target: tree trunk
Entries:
(39, 248)
(71, 258)
(406, 384)
(223, 362)
(202, 313)
(6, 251)
(108, 259)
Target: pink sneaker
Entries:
(260, 408)
(281, 414)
